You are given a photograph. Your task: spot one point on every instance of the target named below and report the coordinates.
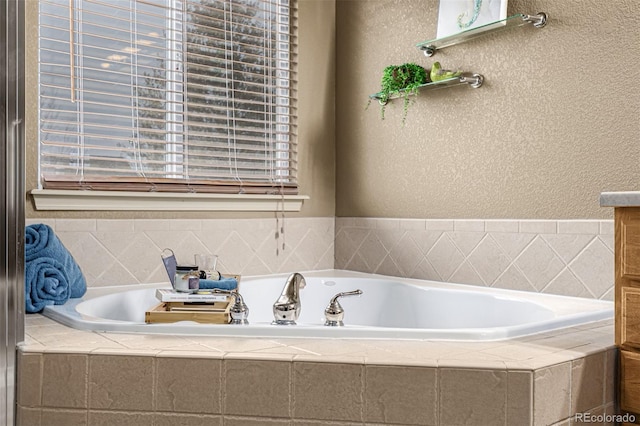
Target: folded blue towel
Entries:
(46, 283)
(42, 243)
(223, 284)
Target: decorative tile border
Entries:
(567, 257)
(119, 252)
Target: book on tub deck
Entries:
(170, 295)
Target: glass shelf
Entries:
(473, 80)
(429, 47)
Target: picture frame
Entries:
(455, 16)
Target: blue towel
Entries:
(223, 284)
(42, 243)
(46, 283)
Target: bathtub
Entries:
(389, 308)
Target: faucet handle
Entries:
(239, 311)
(334, 314)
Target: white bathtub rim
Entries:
(67, 315)
(265, 330)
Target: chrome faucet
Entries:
(334, 313)
(239, 311)
(286, 309)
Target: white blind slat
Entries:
(184, 90)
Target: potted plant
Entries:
(405, 79)
(401, 79)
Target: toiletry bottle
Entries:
(187, 279)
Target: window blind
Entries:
(168, 95)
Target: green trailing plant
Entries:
(401, 80)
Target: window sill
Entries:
(47, 199)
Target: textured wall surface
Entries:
(555, 123)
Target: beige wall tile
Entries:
(121, 251)
(407, 255)
(594, 262)
(568, 246)
(611, 409)
(473, 397)
(64, 381)
(111, 225)
(406, 395)
(166, 419)
(55, 417)
(327, 391)
(543, 260)
(151, 224)
(587, 383)
(539, 263)
(75, 225)
(501, 225)
(29, 379)
(610, 376)
(257, 388)
(120, 418)
(489, 260)
(121, 382)
(412, 224)
(606, 227)
(551, 393)
(28, 416)
(468, 225)
(539, 226)
(578, 226)
(519, 398)
(188, 385)
(445, 257)
(248, 421)
(466, 241)
(439, 225)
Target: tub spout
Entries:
(286, 309)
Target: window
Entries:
(168, 95)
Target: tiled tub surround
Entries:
(127, 251)
(71, 377)
(567, 257)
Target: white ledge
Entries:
(48, 199)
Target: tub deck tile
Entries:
(527, 352)
(523, 373)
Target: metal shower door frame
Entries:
(12, 200)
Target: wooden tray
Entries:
(204, 313)
(210, 313)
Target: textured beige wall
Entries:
(316, 123)
(556, 122)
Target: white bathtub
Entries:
(389, 307)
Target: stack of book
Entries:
(201, 307)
